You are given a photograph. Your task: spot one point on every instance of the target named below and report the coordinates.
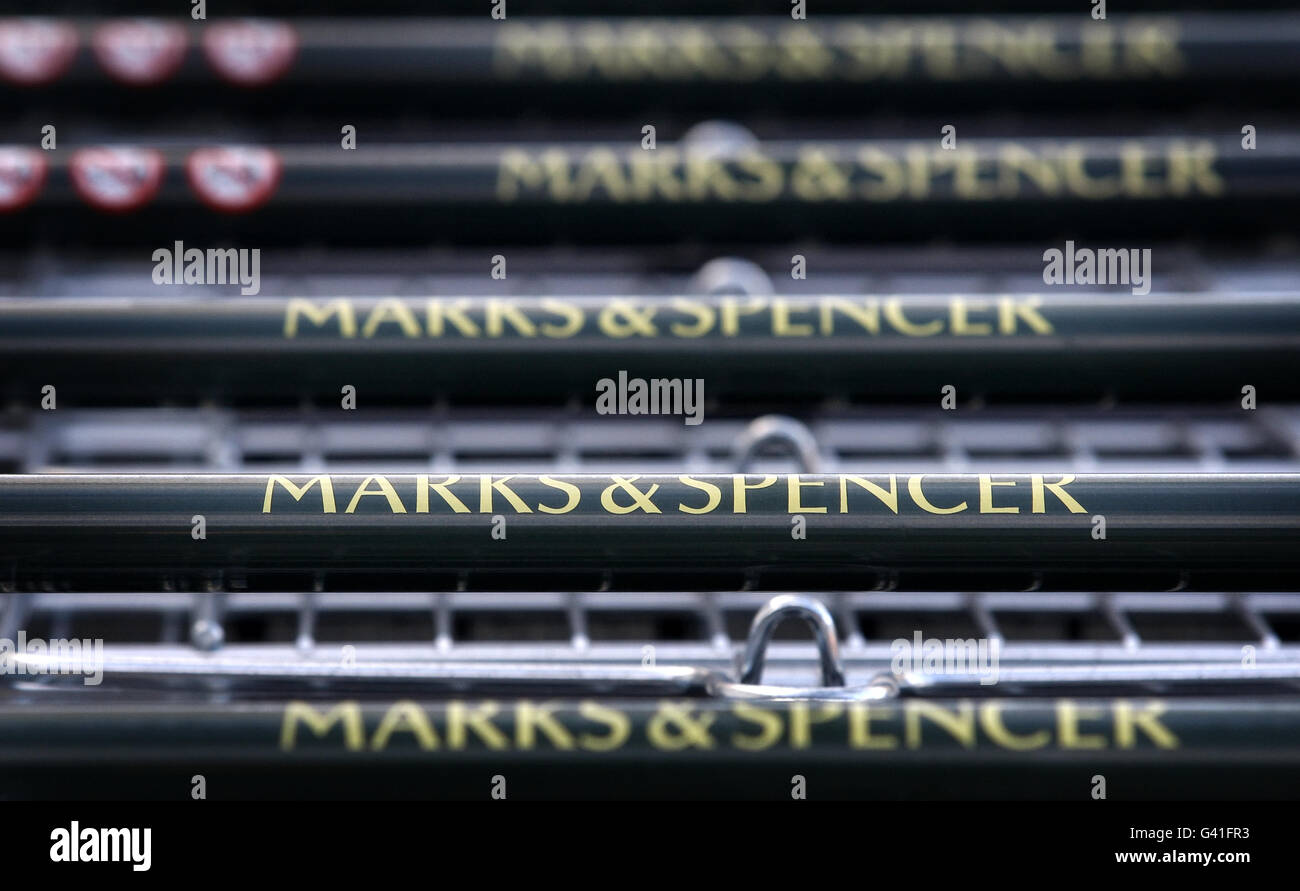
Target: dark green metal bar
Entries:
(832, 531)
(945, 749)
(753, 52)
(1139, 188)
(1088, 169)
(838, 49)
(1204, 347)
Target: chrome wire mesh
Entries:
(568, 440)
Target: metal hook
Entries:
(776, 610)
(207, 632)
(732, 275)
(777, 428)
(718, 139)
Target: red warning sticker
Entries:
(233, 179)
(250, 52)
(117, 178)
(22, 173)
(35, 51)
(140, 51)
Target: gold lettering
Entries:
(768, 721)
(623, 318)
(767, 177)
(986, 496)
(714, 492)
(570, 311)
(405, 717)
(802, 718)
(601, 168)
(732, 311)
(1153, 46)
(486, 486)
(1010, 309)
(795, 484)
(570, 489)
(991, 720)
(640, 500)
(391, 309)
(501, 311)
(656, 174)
(975, 174)
(917, 161)
(1128, 719)
(1191, 169)
(319, 315)
(326, 491)
(521, 47)
(914, 488)
(740, 489)
(894, 315)
(781, 324)
(1099, 50)
(867, 315)
(518, 173)
(938, 48)
(1079, 181)
(619, 724)
(961, 323)
(1038, 503)
(672, 728)
(346, 713)
(960, 723)
(885, 177)
(1068, 715)
(860, 736)
(888, 498)
(1015, 162)
(801, 54)
(816, 177)
(709, 177)
(385, 489)
(435, 312)
(530, 718)
(460, 719)
(1141, 178)
(703, 313)
(877, 52)
(422, 487)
